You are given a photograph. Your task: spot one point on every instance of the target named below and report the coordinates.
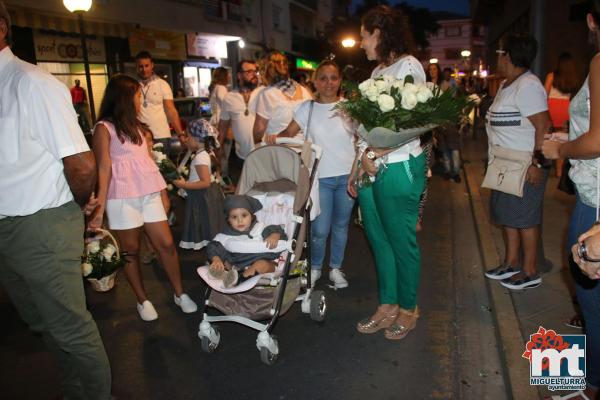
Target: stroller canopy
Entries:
(278, 168)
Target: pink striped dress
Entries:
(134, 172)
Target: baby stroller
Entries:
(277, 175)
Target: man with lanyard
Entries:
(158, 108)
(48, 173)
(157, 111)
(238, 112)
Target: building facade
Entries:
(455, 36)
(187, 38)
(558, 25)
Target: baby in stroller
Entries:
(246, 247)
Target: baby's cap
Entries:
(241, 201)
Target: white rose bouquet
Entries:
(101, 258)
(393, 111)
(167, 168)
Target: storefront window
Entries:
(67, 73)
(196, 81)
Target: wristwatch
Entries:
(370, 154)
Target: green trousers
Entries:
(390, 209)
(40, 268)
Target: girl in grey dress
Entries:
(204, 201)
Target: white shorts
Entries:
(134, 212)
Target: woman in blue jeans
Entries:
(334, 133)
(583, 150)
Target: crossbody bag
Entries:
(506, 170)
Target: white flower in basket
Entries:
(86, 269)
(108, 252)
(93, 247)
(101, 261)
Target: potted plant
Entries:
(101, 260)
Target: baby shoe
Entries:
(216, 273)
(230, 278)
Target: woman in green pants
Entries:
(390, 206)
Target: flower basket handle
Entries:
(106, 233)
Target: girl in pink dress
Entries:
(129, 190)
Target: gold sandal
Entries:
(369, 325)
(398, 331)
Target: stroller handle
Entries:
(299, 142)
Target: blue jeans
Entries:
(336, 208)
(451, 161)
(588, 293)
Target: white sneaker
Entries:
(186, 304)
(315, 274)
(336, 275)
(147, 311)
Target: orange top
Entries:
(559, 111)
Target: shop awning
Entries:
(27, 18)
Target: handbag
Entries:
(506, 170)
(565, 183)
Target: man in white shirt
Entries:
(158, 108)
(47, 170)
(239, 111)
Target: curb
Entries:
(507, 323)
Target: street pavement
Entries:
(519, 314)
(456, 351)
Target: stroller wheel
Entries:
(267, 357)
(318, 305)
(268, 347)
(208, 345)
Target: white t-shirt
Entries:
(216, 103)
(273, 105)
(38, 128)
(201, 158)
(234, 110)
(408, 65)
(152, 112)
(331, 130)
(507, 123)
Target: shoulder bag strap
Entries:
(310, 111)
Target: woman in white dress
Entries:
(275, 105)
(390, 206)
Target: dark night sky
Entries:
(457, 6)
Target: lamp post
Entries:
(79, 7)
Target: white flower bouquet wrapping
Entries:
(392, 112)
(101, 260)
(167, 168)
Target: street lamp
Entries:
(348, 42)
(465, 53)
(433, 61)
(79, 7)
